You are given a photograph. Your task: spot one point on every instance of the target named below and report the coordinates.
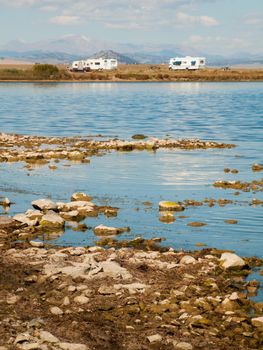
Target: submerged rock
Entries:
(257, 167)
(196, 224)
(103, 230)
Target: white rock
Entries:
(12, 299)
(44, 204)
(183, 346)
(133, 288)
(31, 346)
(48, 337)
(23, 219)
(81, 299)
(258, 322)
(56, 310)
(187, 259)
(155, 338)
(36, 244)
(22, 337)
(230, 260)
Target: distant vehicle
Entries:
(102, 63)
(186, 63)
(79, 66)
(94, 64)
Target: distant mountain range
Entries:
(74, 47)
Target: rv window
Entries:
(177, 63)
(105, 61)
(193, 63)
(202, 62)
(97, 63)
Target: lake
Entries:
(224, 112)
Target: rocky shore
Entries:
(133, 295)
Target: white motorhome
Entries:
(186, 63)
(79, 66)
(102, 63)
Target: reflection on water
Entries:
(126, 180)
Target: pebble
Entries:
(155, 338)
(56, 310)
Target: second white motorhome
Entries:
(186, 63)
(102, 63)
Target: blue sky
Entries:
(214, 26)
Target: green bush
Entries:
(46, 71)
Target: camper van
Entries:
(186, 63)
(102, 63)
(79, 66)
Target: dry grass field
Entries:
(140, 72)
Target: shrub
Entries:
(46, 71)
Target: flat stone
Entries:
(170, 206)
(183, 346)
(258, 322)
(231, 260)
(21, 338)
(187, 259)
(36, 244)
(155, 338)
(23, 219)
(44, 204)
(81, 299)
(103, 230)
(48, 337)
(56, 310)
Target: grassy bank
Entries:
(125, 73)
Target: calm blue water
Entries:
(229, 112)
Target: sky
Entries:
(213, 26)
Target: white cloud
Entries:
(254, 19)
(65, 20)
(129, 14)
(186, 19)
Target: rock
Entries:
(52, 220)
(257, 167)
(48, 337)
(33, 214)
(183, 346)
(133, 288)
(21, 338)
(81, 197)
(23, 219)
(229, 305)
(167, 217)
(231, 221)
(81, 299)
(231, 260)
(139, 137)
(106, 290)
(12, 299)
(44, 204)
(36, 244)
(103, 230)
(66, 301)
(71, 346)
(196, 224)
(56, 310)
(187, 259)
(170, 206)
(72, 215)
(76, 205)
(258, 322)
(5, 202)
(155, 338)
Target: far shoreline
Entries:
(128, 74)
